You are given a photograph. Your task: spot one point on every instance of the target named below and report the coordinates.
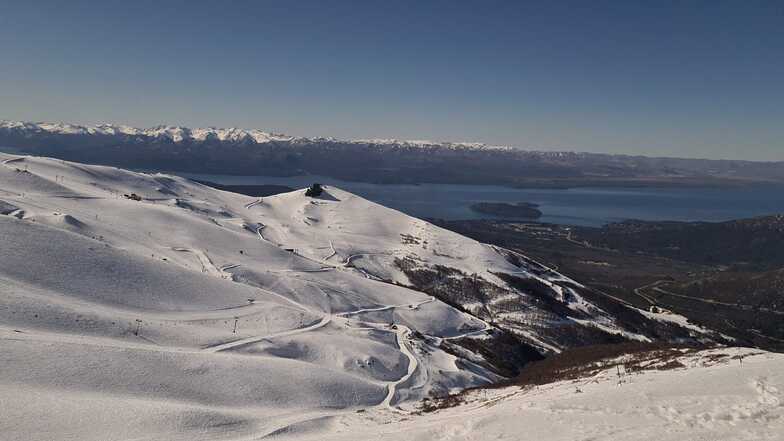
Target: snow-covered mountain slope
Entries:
(541, 306)
(170, 133)
(713, 397)
(156, 307)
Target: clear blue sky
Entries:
(689, 78)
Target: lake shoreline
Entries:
(576, 206)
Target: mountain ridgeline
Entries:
(254, 152)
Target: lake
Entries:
(578, 206)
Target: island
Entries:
(502, 209)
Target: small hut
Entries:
(314, 191)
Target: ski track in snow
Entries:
(401, 333)
(413, 364)
(386, 307)
(250, 340)
(206, 263)
(254, 203)
(11, 160)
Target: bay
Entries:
(577, 206)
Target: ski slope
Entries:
(148, 306)
(121, 313)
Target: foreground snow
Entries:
(703, 401)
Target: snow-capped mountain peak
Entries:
(179, 134)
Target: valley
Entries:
(725, 276)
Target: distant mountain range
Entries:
(255, 152)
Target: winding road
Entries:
(657, 287)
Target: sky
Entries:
(689, 78)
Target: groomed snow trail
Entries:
(250, 340)
(254, 203)
(206, 263)
(402, 334)
(10, 160)
(385, 308)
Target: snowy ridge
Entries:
(713, 396)
(430, 144)
(173, 133)
(179, 134)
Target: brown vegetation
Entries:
(585, 362)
